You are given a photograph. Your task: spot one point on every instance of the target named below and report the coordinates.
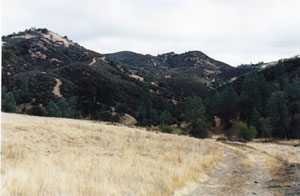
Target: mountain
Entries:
(186, 74)
(40, 66)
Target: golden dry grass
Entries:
(288, 153)
(51, 156)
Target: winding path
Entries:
(242, 173)
(56, 89)
(93, 61)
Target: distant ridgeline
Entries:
(46, 74)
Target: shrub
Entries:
(165, 128)
(104, 115)
(36, 111)
(245, 132)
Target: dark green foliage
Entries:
(166, 117)
(293, 96)
(266, 129)
(104, 115)
(254, 96)
(121, 108)
(228, 109)
(165, 128)
(36, 111)
(8, 103)
(195, 114)
(245, 132)
(52, 110)
(278, 112)
(64, 108)
(24, 84)
(254, 121)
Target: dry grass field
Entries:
(285, 152)
(51, 156)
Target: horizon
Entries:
(233, 32)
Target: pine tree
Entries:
(293, 96)
(166, 117)
(278, 112)
(229, 106)
(195, 112)
(64, 108)
(53, 110)
(9, 103)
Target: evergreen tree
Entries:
(121, 108)
(24, 84)
(278, 112)
(53, 110)
(266, 129)
(147, 103)
(229, 106)
(255, 121)
(166, 117)
(293, 96)
(249, 96)
(64, 108)
(198, 125)
(8, 101)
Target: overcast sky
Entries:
(233, 31)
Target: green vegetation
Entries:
(52, 110)
(8, 103)
(245, 132)
(165, 128)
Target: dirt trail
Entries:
(242, 173)
(93, 61)
(259, 178)
(56, 89)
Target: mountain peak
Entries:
(43, 34)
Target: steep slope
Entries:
(189, 73)
(35, 59)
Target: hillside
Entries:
(40, 66)
(52, 156)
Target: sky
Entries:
(233, 31)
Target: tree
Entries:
(53, 110)
(197, 123)
(293, 97)
(249, 96)
(278, 112)
(166, 117)
(266, 129)
(145, 113)
(254, 121)
(121, 108)
(8, 102)
(245, 132)
(64, 108)
(24, 84)
(229, 106)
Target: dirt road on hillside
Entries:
(243, 172)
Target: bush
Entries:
(245, 132)
(165, 128)
(36, 111)
(104, 115)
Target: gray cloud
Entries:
(233, 31)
